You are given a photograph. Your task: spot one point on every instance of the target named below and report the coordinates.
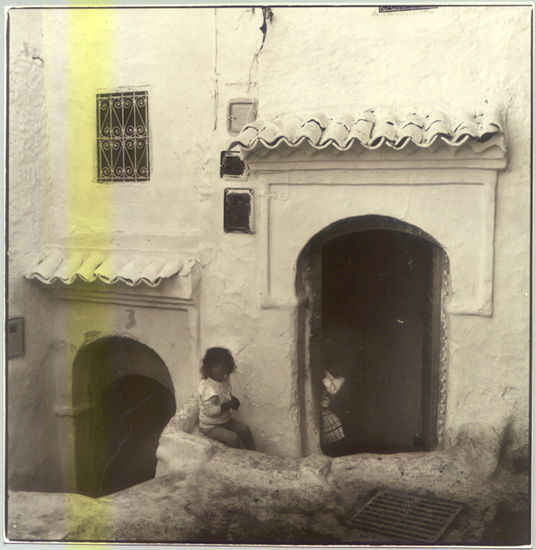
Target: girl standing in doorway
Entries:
(332, 436)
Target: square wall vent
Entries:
(231, 164)
(238, 211)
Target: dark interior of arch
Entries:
(375, 296)
(131, 401)
(370, 222)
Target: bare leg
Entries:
(243, 431)
(223, 435)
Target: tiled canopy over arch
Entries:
(110, 267)
(431, 169)
(372, 129)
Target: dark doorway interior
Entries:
(135, 411)
(379, 311)
(131, 401)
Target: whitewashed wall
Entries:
(351, 59)
(193, 61)
(29, 186)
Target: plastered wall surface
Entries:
(402, 55)
(128, 53)
(29, 186)
(353, 59)
(434, 208)
(193, 61)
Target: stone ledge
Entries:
(206, 492)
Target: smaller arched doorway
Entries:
(370, 291)
(130, 399)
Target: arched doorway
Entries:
(371, 293)
(130, 399)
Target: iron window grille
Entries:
(123, 136)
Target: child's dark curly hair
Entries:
(215, 356)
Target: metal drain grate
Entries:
(405, 517)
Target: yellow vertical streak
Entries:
(90, 66)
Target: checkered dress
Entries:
(331, 430)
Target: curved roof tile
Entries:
(110, 267)
(371, 129)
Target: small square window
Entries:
(238, 211)
(123, 137)
(240, 112)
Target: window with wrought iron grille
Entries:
(123, 136)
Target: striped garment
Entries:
(331, 430)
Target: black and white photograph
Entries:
(268, 274)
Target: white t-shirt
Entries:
(211, 395)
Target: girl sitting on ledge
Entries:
(216, 401)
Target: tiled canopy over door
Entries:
(433, 170)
